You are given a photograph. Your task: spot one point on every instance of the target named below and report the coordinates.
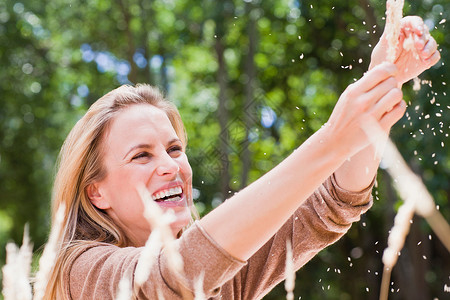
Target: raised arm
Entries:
(249, 219)
(411, 61)
(358, 171)
(320, 221)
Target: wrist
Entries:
(329, 143)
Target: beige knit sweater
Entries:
(97, 269)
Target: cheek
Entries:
(129, 175)
(125, 198)
(121, 188)
(186, 175)
(185, 168)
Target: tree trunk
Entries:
(132, 76)
(163, 68)
(388, 222)
(371, 21)
(248, 111)
(147, 14)
(409, 273)
(223, 117)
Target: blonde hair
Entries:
(80, 164)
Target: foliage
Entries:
(59, 56)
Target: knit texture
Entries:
(323, 218)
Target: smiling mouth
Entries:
(169, 195)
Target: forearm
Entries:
(358, 172)
(324, 217)
(246, 221)
(249, 219)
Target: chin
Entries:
(183, 218)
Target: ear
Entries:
(96, 197)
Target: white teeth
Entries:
(175, 190)
(166, 193)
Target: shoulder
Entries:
(97, 262)
(92, 255)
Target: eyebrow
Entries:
(149, 146)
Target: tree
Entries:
(252, 80)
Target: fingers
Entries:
(379, 92)
(433, 59)
(375, 76)
(387, 102)
(413, 25)
(430, 54)
(390, 118)
(428, 49)
(423, 41)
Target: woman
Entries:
(133, 137)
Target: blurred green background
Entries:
(252, 80)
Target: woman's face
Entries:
(141, 147)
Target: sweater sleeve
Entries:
(323, 218)
(95, 271)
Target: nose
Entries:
(167, 166)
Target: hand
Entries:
(367, 110)
(410, 63)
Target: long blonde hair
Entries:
(80, 164)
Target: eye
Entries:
(141, 155)
(175, 149)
